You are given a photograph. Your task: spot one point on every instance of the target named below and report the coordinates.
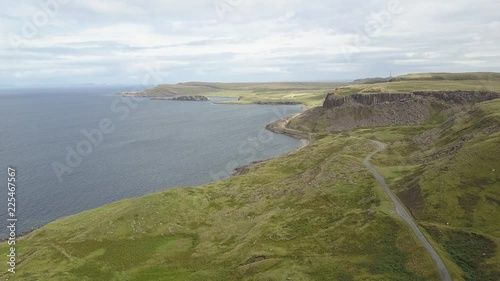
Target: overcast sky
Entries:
(95, 41)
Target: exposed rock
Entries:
(132, 94)
(278, 102)
(191, 98)
(460, 96)
(241, 170)
(450, 149)
(379, 98)
(492, 129)
(255, 258)
(365, 99)
(386, 109)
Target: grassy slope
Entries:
(316, 214)
(446, 170)
(451, 186)
(312, 215)
(451, 196)
(310, 94)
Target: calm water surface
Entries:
(154, 145)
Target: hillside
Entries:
(311, 215)
(314, 214)
(441, 161)
(447, 177)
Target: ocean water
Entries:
(75, 149)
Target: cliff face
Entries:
(191, 98)
(364, 99)
(379, 98)
(354, 115)
(385, 109)
(460, 96)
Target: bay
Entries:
(154, 145)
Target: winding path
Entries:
(403, 213)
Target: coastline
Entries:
(231, 100)
(279, 127)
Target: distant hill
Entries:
(448, 76)
(371, 80)
(313, 93)
(308, 93)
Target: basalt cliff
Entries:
(191, 98)
(380, 98)
(340, 113)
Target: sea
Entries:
(78, 148)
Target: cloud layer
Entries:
(73, 41)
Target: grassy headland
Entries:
(314, 214)
(309, 94)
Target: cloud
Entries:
(242, 40)
(110, 7)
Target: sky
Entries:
(49, 42)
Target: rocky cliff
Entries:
(380, 98)
(460, 96)
(191, 98)
(385, 109)
(365, 99)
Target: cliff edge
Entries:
(191, 98)
(340, 113)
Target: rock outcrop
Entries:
(385, 109)
(355, 115)
(279, 102)
(191, 98)
(460, 96)
(380, 98)
(365, 99)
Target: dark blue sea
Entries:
(79, 148)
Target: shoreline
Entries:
(280, 127)
(231, 100)
(277, 127)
